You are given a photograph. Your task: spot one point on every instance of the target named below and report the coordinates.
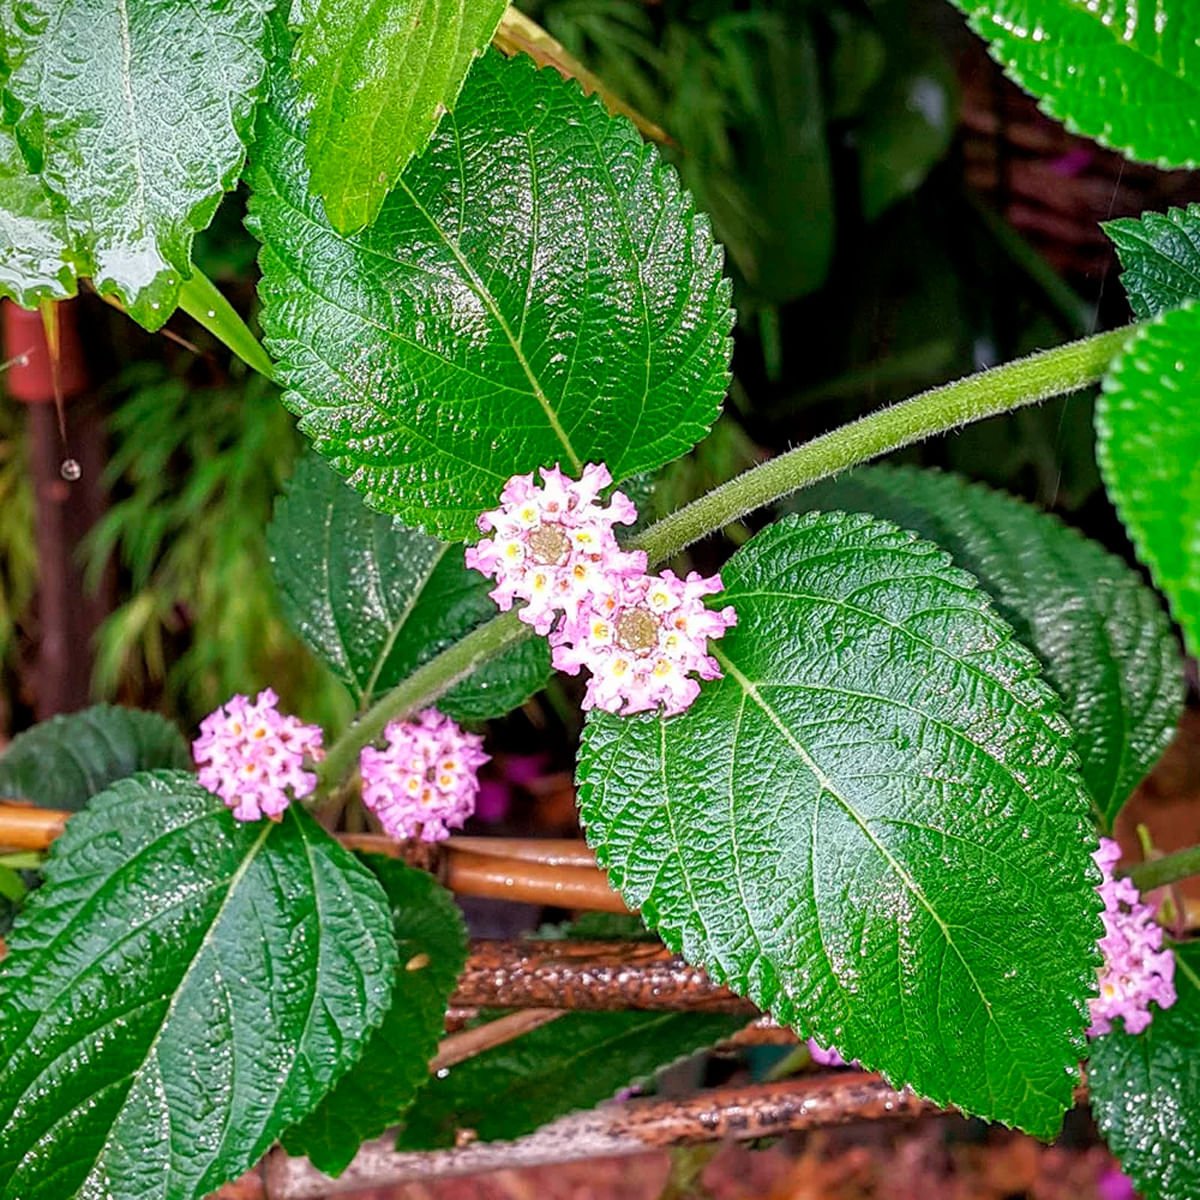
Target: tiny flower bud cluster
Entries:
(253, 756)
(425, 781)
(826, 1058)
(642, 637)
(1137, 970)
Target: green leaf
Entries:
(181, 989)
(34, 260)
(139, 140)
(377, 77)
(1124, 74)
(1100, 633)
(66, 760)
(536, 289)
(1145, 1092)
(873, 825)
(574, 1062)
(1148, 447)
(375, 1093)
(375, 600)
(1160, 254)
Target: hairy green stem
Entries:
(1026, 381)
(1158, 872)
(203, 301)
(419, 690)
(939, 410)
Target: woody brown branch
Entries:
(742, 1113)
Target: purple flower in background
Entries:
(1137, 971)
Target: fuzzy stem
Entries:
(1001, 389)
(1158, 872)
(1014, 385)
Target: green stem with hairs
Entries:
(1158, 872)
(1027, 381)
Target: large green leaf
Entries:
(34, 261)
(873, 825)
(180, 990)
(1101, 634)
(1148, 447)
(536, 289)
(573, 1062)
(1160, 254)
(1127, 74)
(375, 600)
(377, 76)
(66, 760)
(375, 1093)
(140, 136)
(1145, 1092)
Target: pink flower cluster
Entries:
(1137, 970)
(425, 781)
(641, 636)
(253, 756)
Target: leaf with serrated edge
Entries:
(376, 77)
(181, 989)
(873, 825)
(34, 260)
(141, 144)
(1160, 257)
(1127, 75)
(374, 600)
(1101, 634)
(574, 1062)
(432, 943)
(1148, 445)
(63, 762)
(536, 289)
(1145, 1091)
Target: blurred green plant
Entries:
(195, 472)
(18, 550)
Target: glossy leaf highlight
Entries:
(1126, 74)
(873, 825)
(574, 1062)
(180, 989)
(1100, 633)
(134, 113)
(431, 940)
(1148, 447)
(374, 600)
(1145, 1092)
(65, 761)
(537, 288)
(1160, 257)
(374, 79)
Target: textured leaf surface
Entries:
(536, 289)
(873, 825)
(34, 262)
(375, 600)
(1101, 634)
(432, 944)
(377, 76)
(66, 760)
(1148, 447)
(573, 1062)
(135, 112)
(1145, 1092)
(180, 990)
(1160, 254)
(1127, 74)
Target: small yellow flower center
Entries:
(548, 544)
(637, 630)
